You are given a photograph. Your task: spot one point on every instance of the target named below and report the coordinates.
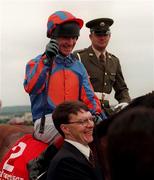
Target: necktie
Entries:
(102, 58)
(92, 159)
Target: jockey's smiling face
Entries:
(66, 34)
(66, 44)
(80, 127)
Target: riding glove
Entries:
(100, 117)
(51, 51)
(121, 106)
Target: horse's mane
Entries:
(146, 101)
(142, 101)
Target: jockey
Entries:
(56, 76)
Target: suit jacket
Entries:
(106, 76)
(70, 164)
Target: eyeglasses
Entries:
(84, 122)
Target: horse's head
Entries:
(101, 130)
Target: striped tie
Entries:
(92, 159)
(102, 58)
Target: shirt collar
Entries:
(82, 148)
(67, 61)
(98, 53)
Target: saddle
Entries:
(14, 163)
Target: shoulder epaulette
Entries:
(79, 51)
(112, 55)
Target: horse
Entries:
(101, 130)
(100, 133)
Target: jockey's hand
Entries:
(51, 51)
(120, 106)
(100, 117)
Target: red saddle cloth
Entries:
(13, 164)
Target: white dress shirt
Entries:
(85, 150)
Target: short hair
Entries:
(130, 147)
(61, 114)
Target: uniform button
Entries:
(105, 73)
(105, 83)
(109, 57)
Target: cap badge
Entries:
(102, 24)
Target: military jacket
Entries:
(104, 75)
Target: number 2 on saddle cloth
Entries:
(14, 163)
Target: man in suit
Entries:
(75, 123)
(103, 67)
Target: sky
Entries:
(23, 37)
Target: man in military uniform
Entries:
(103, 67)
